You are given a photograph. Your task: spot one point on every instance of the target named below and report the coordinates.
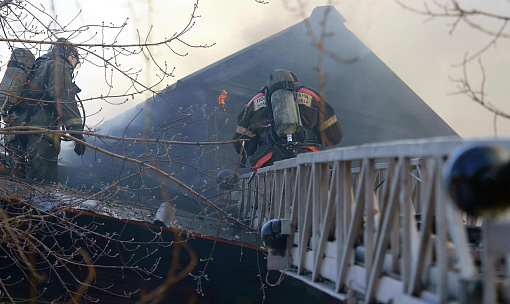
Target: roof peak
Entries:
(319, 11)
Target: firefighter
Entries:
(273, 134)
(50, 104)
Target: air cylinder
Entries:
(15, 77)
(285, 110)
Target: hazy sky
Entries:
(422, 53)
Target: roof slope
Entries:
(371, 102)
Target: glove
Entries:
(79, 149)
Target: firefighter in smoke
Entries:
(50, 104)
(283, 120)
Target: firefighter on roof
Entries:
(50, 104)
(283, 120)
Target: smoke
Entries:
(421, 53)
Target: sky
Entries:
(422, 52)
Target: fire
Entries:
(221, 99)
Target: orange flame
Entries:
(221, 99)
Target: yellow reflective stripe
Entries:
(244, 131)
(73, 121)
(49, 135)
(328, 123)
(10, 137)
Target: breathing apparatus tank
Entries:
(282, 106)
(15, 77)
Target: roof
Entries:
(372, 103)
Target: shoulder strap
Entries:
(285, 85)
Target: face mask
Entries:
(75, 62)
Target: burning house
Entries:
(371, 102)
(119, 231)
